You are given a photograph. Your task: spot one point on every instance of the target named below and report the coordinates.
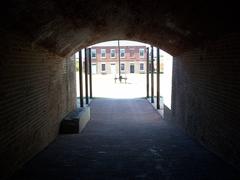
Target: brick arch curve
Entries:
(62, 26)
(205, 87)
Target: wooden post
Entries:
(119, 61)
(86, 76)
(80, 79)
(147, 72)
(90, 71)
(152, 76)
(158, 78)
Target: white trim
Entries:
(105, 53)
(95, 53)
(114, 53)
(140, 53)
(121, 52)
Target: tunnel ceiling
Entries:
(64, 26)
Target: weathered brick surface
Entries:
(37, 91)
(206, 96)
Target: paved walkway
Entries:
(126, 139)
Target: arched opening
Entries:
(37, 74)
(130, 60)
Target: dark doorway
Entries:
(131, 68)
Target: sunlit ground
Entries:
(105, 86)
(135, 86)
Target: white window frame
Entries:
(121, 52)
(111, 53)
(105, 67)
(141, 49)
(140, 66)
(92, 50)
(102, 53)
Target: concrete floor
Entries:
(126, 139)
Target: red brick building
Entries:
(105, 59)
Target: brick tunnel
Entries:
(38, 75)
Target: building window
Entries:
(122, 67)
(93, 53)
(141, 66)
(113, 53)
(122, 53)
(131, 52)
(103, 67)
(141, 52)
(103, 53)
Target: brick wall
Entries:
(127, 57)
(206, 96)
(126, 64)
(37, 91)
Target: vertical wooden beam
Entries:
(80, 79)
(86, 76)
(90, 71)
(152, 76)
(158, 78)
(147, 73)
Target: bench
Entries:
(75, 121)
(120, 79)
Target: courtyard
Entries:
(135, 87)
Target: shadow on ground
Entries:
(126, 139)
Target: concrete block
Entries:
(75, 121)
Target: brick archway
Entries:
(37, 76)
(63, 27)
